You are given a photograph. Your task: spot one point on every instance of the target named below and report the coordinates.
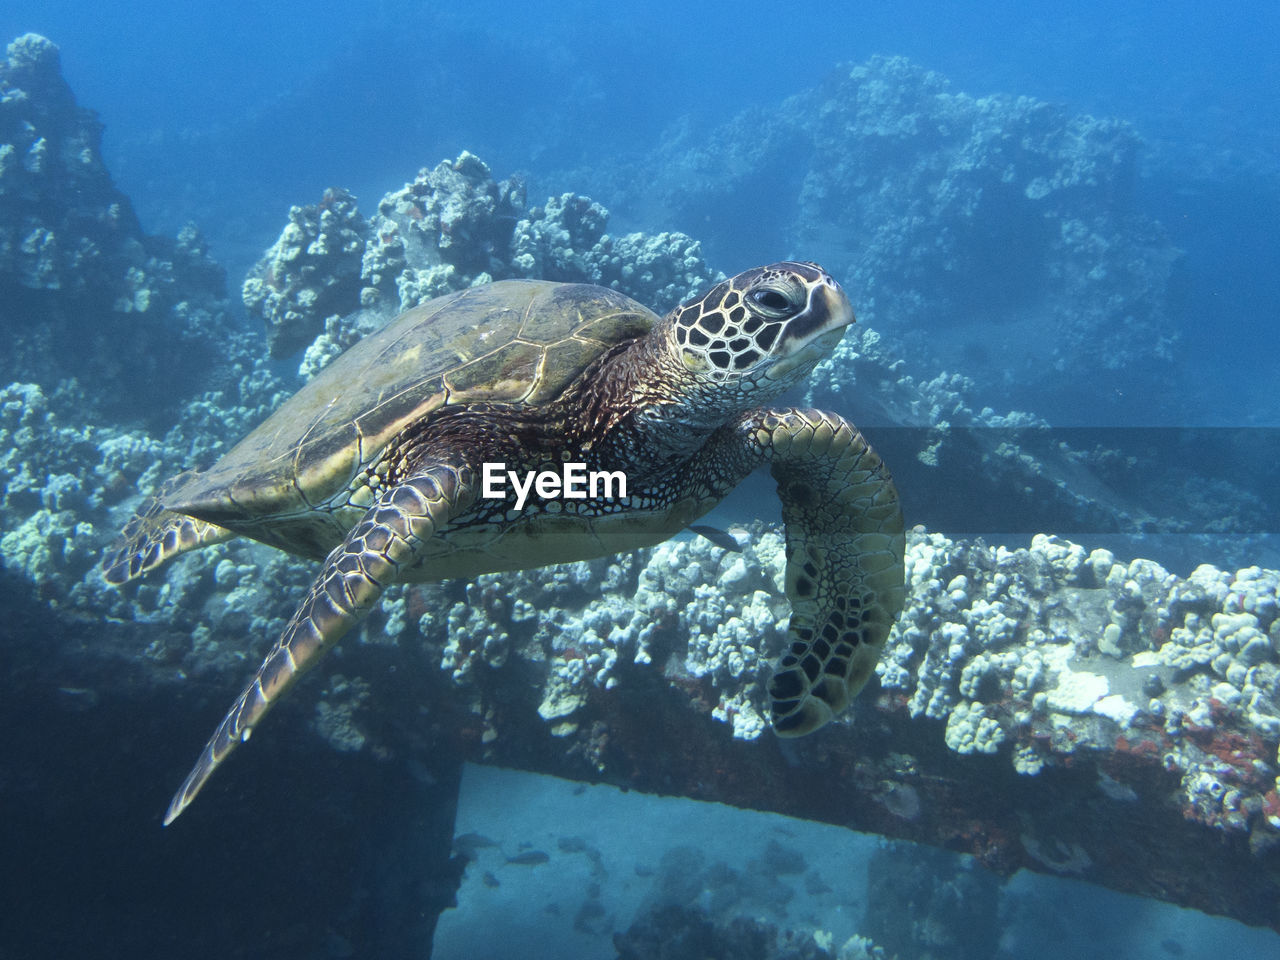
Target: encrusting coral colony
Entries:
(1137, 688)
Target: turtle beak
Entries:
(828, 310)
(816, 330)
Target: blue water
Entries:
(228, 114)
(632, 852)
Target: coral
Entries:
(75, 267)
(332, 278)
(1051, 650)
(660, 271)
(309, 274)
(48, 544)
(960, 182)
(52, 148)
(55, 483)
(68, 489)
(578, 622)
(449, 228)
(960, 224)
(562, 240)
(337, 711)
(970, 730)
(566, 241)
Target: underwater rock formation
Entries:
(1004, 212)
(63, 225)
(333, 277)
(931, 905)
(310, 271)
(75, 266)
(965, 222)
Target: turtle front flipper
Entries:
(354, 576)
(155, 534)
(845, 574)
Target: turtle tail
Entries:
(154, 535)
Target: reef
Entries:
(87, 293)
(1022, 684)
(333, 276)
(973, 228)
(928, 903)
(310, 271)
(1043, 656)
(51, 152)
(1001, 212)
(1019, 688)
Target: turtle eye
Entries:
(775, 302)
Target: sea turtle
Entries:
(378, 468)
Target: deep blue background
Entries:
(226, 114)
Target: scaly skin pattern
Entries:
(845, 551)
(353, 578)
(846, 543)
(155, 535)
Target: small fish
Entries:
(467, 844)
(814, 885)
(79, 698)
(490, 880)
(721, 538)
(418, 770)
(530, 858)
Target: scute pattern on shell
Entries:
(517, 341)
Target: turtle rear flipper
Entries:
(354, 576)
(155, 534)
(845, 551)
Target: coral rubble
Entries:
(676, 932)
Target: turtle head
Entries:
(761, 331)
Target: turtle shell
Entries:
(515, 341)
